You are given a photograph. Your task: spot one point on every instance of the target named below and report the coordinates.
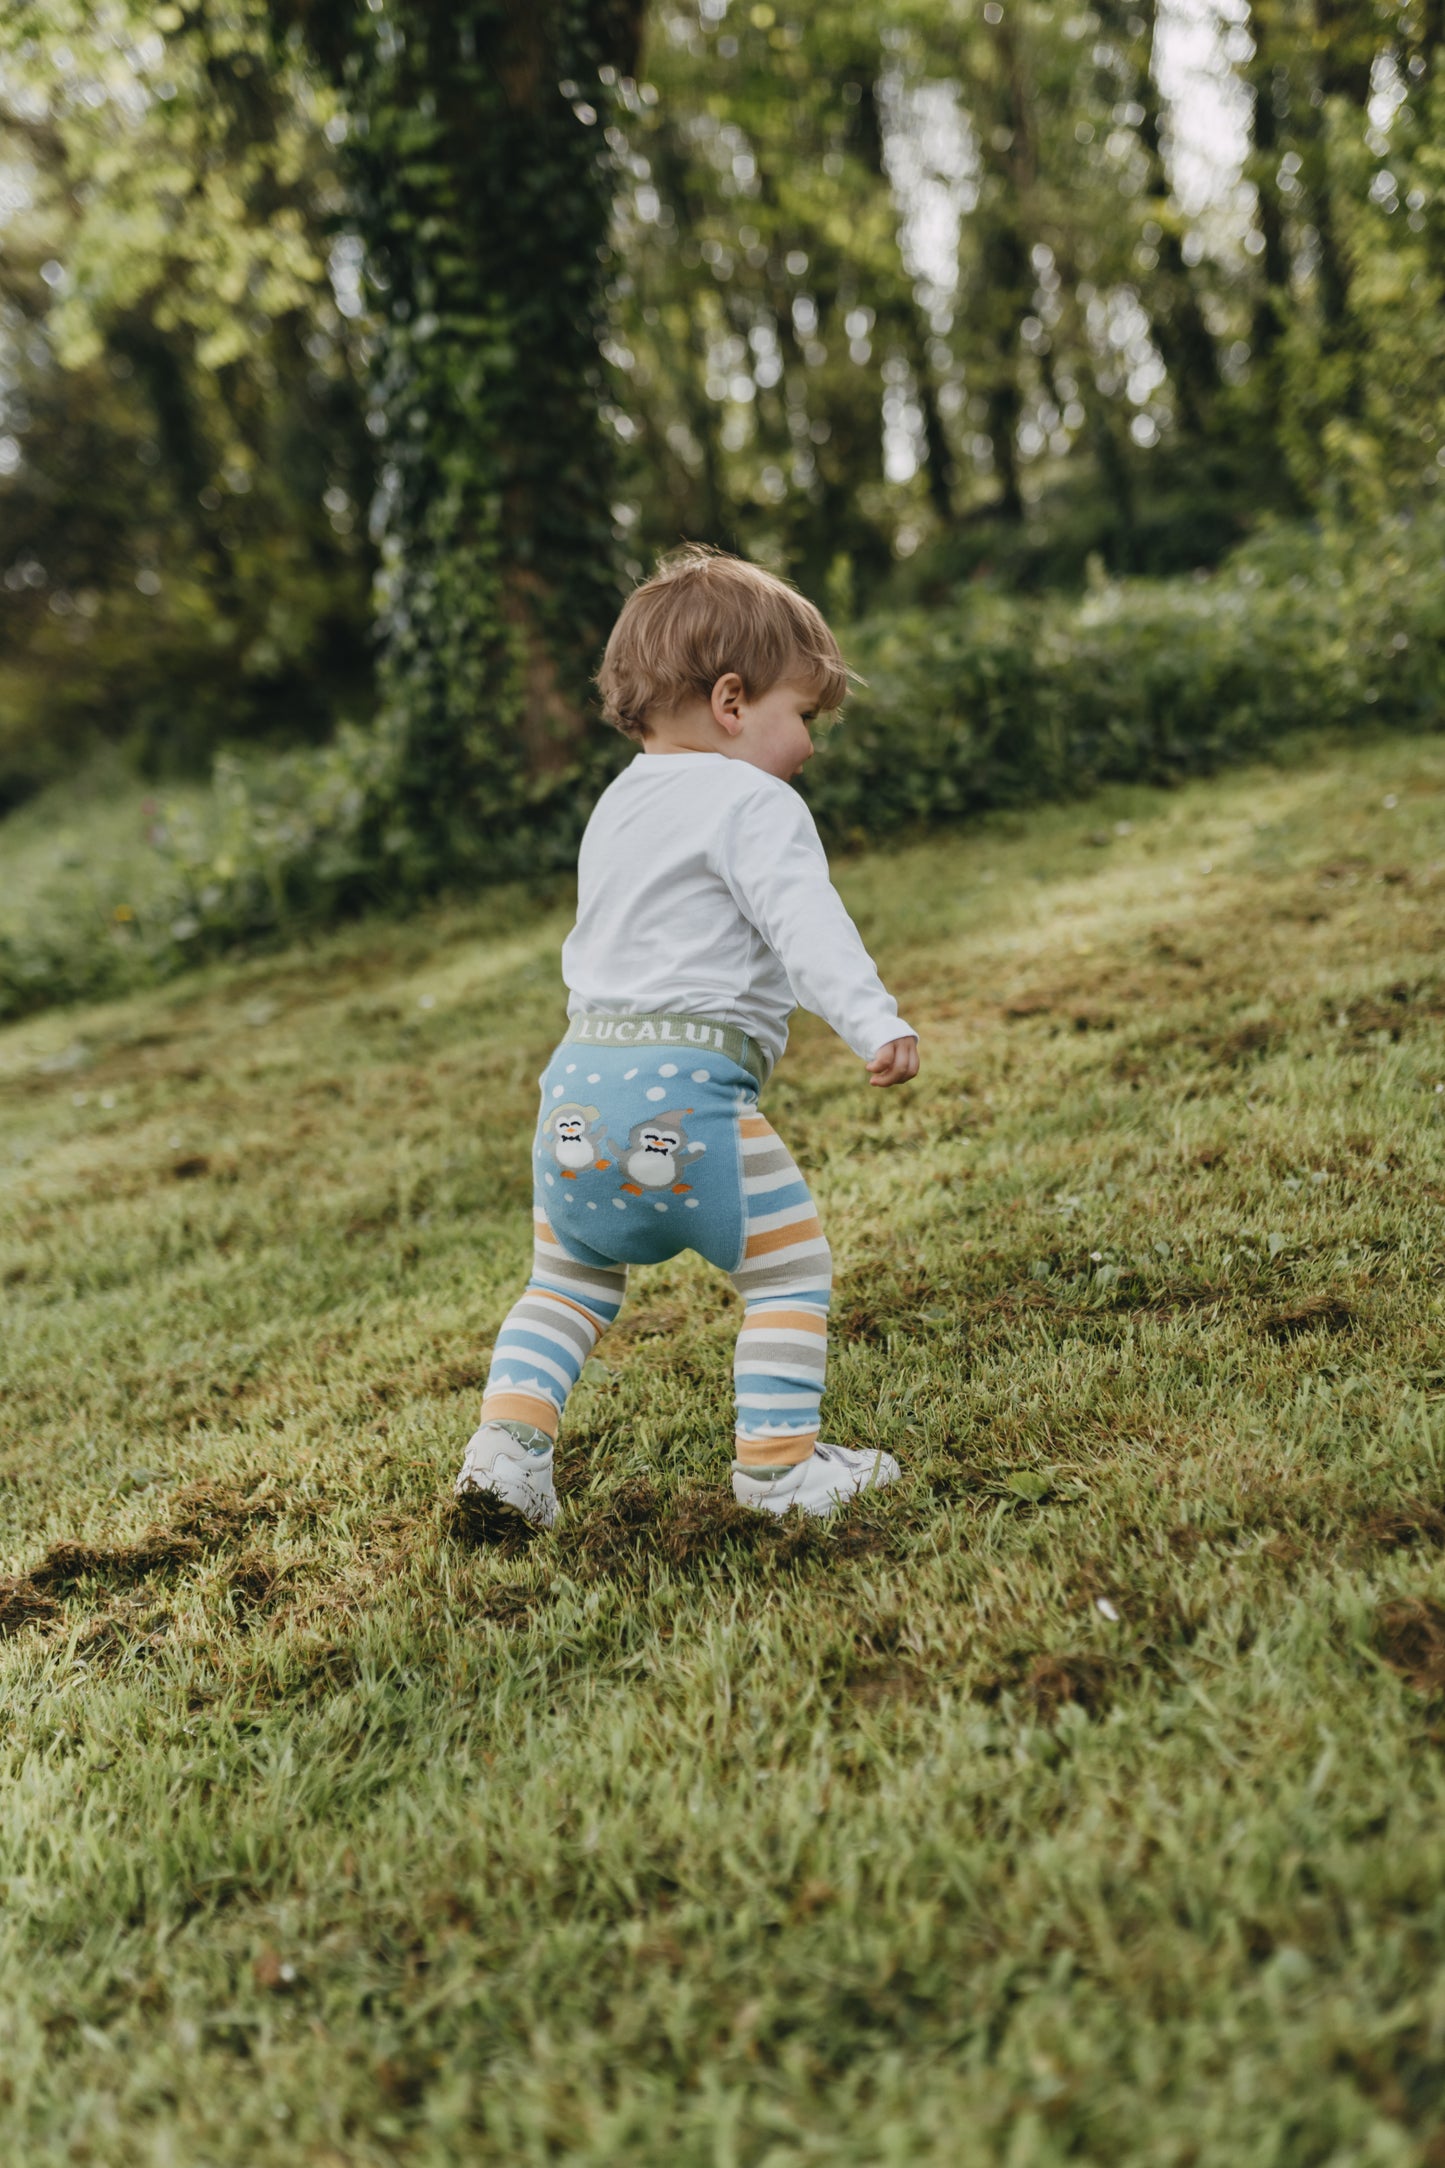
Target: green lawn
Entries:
(1082, 1799)
(72, 857)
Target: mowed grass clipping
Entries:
(1081, 1799)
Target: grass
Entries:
(1083, 1799)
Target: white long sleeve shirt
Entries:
(703, 890)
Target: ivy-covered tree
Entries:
(482, 193)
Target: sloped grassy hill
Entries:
(1082, 1799)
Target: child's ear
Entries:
(726, 703)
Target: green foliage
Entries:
(1001, 702)
(994, 702)
(186, 466)
(922, 279)
(1078, 1801)
(272, 850)
(880, 295)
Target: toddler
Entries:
(705, 914)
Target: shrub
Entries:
(985, 703)
(994, 702)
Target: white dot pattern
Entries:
(655, 1091)
(669, 1068)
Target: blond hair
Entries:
(701, 615)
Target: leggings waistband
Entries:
(684, 1032)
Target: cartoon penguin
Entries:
(574, 1133)
(652, 1151)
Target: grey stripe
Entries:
(557, 1265)
(778, 1358)
(775, 1158)
(810, 1274)
(559, 1320)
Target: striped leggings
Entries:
(740, 1201)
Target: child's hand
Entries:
(894, 1063)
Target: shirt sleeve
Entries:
(773, 862)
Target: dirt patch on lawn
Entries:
(483, 1523)
(255, 1584)
(1048, 1680)
(1314, 1313)
(1410, 1635)
(632, 1532)
(1394, 1010)
(202, 1521)
(636, 1526)
(1412, 1524)
(22, 1604)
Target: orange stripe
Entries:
(549, 1294)
(753, 1125)
(784, 1238)
(773, 1452)
(760, 1318)
(520, 1408)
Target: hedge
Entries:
(990, 702)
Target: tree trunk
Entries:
(941, 472)
(1432, 35)
(699, 514)
(1005, 266)
(1427, 101)
(1186, 343)
(1006, 152)
(1110, 449)
(942, 468)
(483, 197)
(1270, 306)
(1344, 43)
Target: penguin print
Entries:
(650, 1158)
(574, 1133)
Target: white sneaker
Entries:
(495, 1465)
(827, 1479)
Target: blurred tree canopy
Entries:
(184, 462)
(327, 318)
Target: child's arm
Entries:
(775, 867)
